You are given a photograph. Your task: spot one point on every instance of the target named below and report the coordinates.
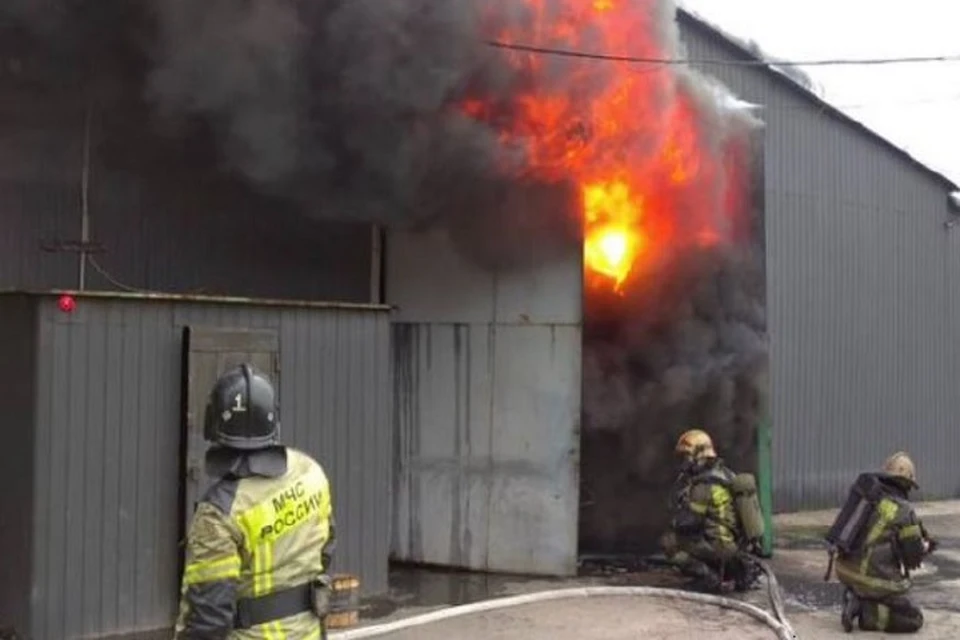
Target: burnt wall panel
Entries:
(108, 449)
(862, 305)
(18, 380)
(487, 408)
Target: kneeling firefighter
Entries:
(259, 545)
(877, 540)
(717, 523)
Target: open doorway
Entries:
(674, 329)
(206, 353)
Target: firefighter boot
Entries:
(746, 575)
(851, 610)
(704, 578)
(713, 583)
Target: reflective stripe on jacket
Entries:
(707, 495)
(264, 527)
(894, 540)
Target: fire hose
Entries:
(777, 622)
(776, 601)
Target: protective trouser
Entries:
(707, 562)
(892, 614)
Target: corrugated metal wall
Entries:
(17, 379)
(167, 218)
(863, 306)
(487, 409)
(108, 449)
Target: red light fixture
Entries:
(67, 303)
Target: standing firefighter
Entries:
(258, 546)
(717, 520)
(878, 539)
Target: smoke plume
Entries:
(368, 110)
(353, 108)
(684, 347)
(347, 105)
(402, 113)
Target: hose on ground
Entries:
(782, 628)
(776, 597)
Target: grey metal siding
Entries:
(862, 303)
(168, 220)
(335, 403)
(487, 423)
(106, 473)
(108, 449)
(17, 380)
(487, 414)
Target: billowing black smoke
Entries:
(348, 105)
(349, 108)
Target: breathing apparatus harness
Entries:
(746, 507)
(848, 533)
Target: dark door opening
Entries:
(681, 343)
(207, 353)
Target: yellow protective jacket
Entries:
(893, 546)
(703, 506)
(265, 527)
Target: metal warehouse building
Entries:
(863, 306)
(862, 327)
(449, 425)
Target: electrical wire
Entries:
(86, 258)
(109, 278)
(569, 53)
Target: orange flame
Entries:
(627, 135)
(614, 239)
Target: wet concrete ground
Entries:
(414, 590)
(813, 606)
(799, 563)
(614, 618)
(801, 560)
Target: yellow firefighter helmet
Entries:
(899, 465)
(696, 444)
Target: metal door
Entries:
(208, 352)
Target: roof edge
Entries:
(685, 16)
(150, 296)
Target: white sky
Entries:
(916, 106)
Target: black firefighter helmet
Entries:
(242, 410)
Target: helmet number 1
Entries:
(238, 404)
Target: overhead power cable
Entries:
(719, 62)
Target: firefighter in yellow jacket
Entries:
(704, 541)
(259, 545)
(877, 574)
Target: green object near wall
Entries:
(765, 481)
